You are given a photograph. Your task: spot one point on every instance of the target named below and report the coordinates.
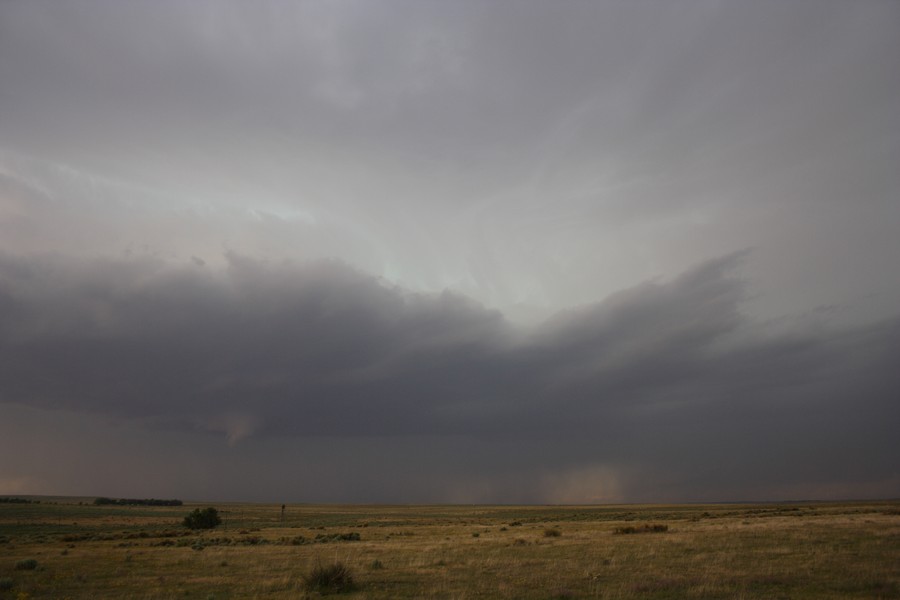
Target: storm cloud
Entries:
(345, 251)
(322, 350)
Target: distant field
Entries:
(797, 551)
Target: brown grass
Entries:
(828, 551)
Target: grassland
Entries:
(797, 551)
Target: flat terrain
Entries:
(802, 550)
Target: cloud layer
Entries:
(543, 157)
(432, 251)
(667, 377)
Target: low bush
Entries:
(552, 532)
(29, 564)
(206, 518)
(335, 578)
(6, 584)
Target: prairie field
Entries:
(70, 548)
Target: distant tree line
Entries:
(136, 502)
(18, 501)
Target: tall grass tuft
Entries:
(329, 579)
(552, 532)
(29, 564)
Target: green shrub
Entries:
(206, 518)
(6, 583)
(552, 532)
(334, 578)
(29, 564)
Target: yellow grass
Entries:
(833, 550)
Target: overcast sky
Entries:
(428, 251)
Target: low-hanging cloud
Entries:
(666, 375)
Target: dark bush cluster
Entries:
(644, 529)
(135, 502)
(133, 535)
(322, 538)
(7, 500)
(334, 578)
(200, 543)
(29, 564)
(206, 518)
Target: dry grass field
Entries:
(69, 548)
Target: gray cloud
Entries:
(668, 376)
(451, 250)
(544, 156)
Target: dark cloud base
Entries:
(664, 391)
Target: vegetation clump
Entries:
(645, 529)
(29, 564)
(335, 578)
(207, 518)
(322, 538)
(6, 584)
(552, 532)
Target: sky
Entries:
(450, 252)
